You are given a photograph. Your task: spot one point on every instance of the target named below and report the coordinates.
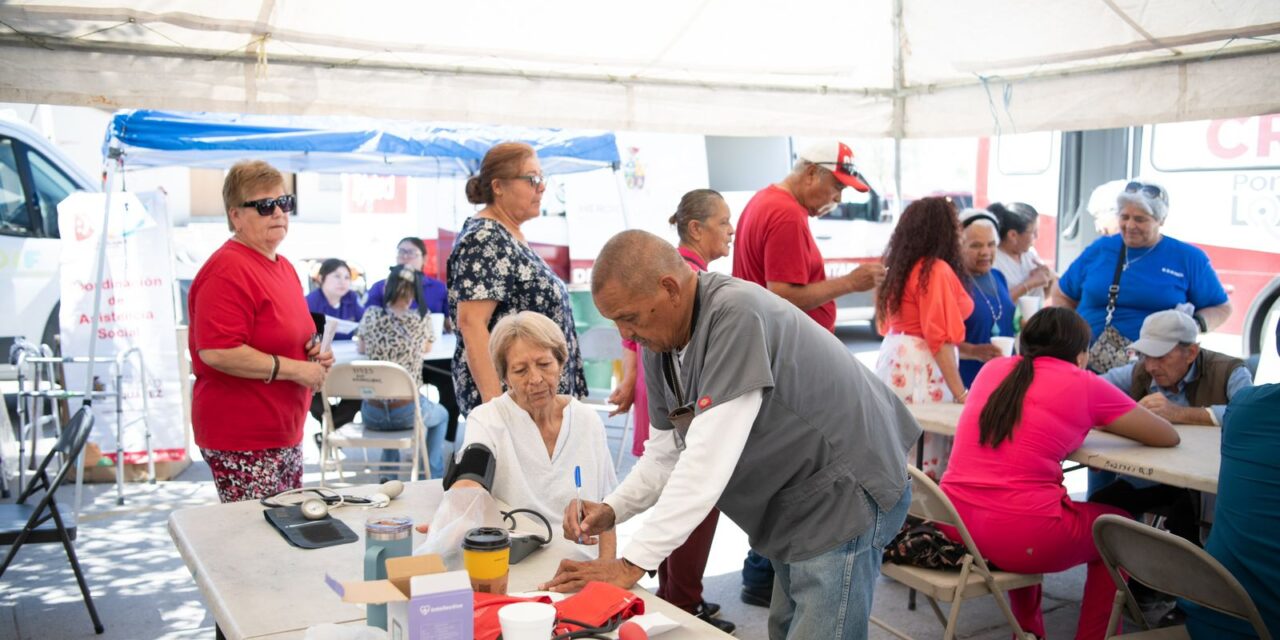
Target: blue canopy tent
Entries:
(145, 138)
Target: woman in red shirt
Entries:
(252, 347)
(921, 309)
(1026, 414)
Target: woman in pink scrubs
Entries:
(1024, 416)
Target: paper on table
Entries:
(330, 330)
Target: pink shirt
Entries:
(1023, 475)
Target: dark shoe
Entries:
(1148, 598)
(721, 624)
(706, 610)
(1175, 617)
(757, 597)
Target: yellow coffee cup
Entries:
(486, 554)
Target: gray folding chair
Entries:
(1167, 563)
(23, 523)
(370, 380)
(974, 579)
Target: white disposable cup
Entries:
(437, 323)
(1005, 343)
(527, 621)
(1029, 305)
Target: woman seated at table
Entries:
(992, 307)
(335, 299)
(395, 333)
(537, 435)
(1024, 416)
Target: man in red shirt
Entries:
(774, 248)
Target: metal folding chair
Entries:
(22, 523)
(370, 380)
(1169, 564)
(974, 579)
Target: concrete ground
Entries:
(142, 589)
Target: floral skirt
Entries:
(907, 366)
(250, 475)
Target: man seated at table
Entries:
(1185, 384)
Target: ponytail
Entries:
(1053, 332)
(1003, 409)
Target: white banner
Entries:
(137, 310)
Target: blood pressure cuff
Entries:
(485, 616)
(599, 605)
(476, 463)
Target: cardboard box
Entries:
(424, 602)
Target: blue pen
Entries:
(577, 482)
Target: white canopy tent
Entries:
(896, 68)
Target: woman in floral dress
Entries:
(492, 273)
(921, 309)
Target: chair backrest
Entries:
(1168, 563)
(928, 502)
(74, 435)
(369, 380)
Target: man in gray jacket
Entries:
(759, 411)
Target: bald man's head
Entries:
(641, 283)
(637, 260)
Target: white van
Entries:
(34, 177)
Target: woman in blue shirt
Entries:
(992, 306)
(1157, 272)
(334, 297)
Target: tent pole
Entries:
(622, 200)
(899, 117)
(97, 288)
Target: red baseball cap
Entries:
(837, 157)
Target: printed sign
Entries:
(137, 311)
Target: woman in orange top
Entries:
(920, 309)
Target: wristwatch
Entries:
(1200, 322)
(636, 566)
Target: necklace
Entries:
(997, 311)
(1127, 255)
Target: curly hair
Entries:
(928, 230)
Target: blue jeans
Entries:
(829, 596)
(757, 572)
(434, 417)
(1099, 479)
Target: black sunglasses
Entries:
(1149, 190)
(267, 206)
(847, 168)
(536, 181)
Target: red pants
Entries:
(1037, 544)
(680, 575)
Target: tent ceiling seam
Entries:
(21, 40)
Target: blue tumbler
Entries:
(384, 537)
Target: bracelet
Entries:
(964, 394)
(1200, 322)
(275, 369)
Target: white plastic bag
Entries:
(461, 510)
